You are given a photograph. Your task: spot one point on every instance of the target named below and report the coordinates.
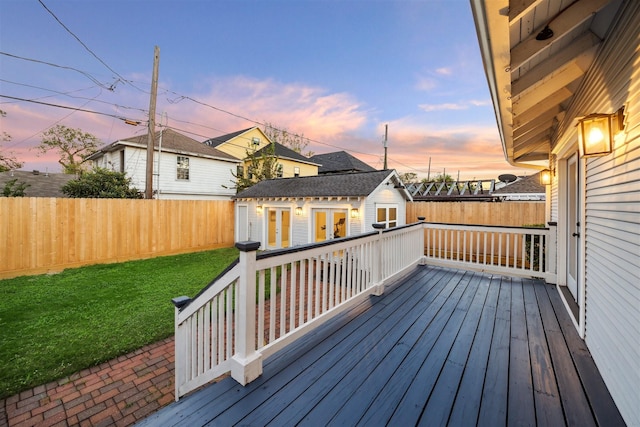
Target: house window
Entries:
(255, 141)
(240, 171)
(279, 171)
(183, 168)
(387, 215)
(121, 161)
(296, 171)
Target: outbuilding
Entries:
(286, 212)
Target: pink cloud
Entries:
(333, 121)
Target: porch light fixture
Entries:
(545, 177)
(354, 213)
(597, 131)
(298, 211)
(259, 209)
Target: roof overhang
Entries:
(535, 56)
(119, 144)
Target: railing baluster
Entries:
(293, 295)
(261, 307)
(272, 303)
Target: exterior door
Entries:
(329, 224)
(278, 228)
(573, 226)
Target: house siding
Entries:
(206, 176)
(612, 215)
(288, 168)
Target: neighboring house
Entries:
(524, 188)
(253, 140)
(550, 66)
(183, 168)
(40, 184)
(340, 162)
(293, 211)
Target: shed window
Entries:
(387, 215)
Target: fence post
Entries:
(378, 282)
(246, 363)
(551, 256)
(180, 346)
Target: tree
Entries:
(259, 167)
(73, 146)
(101, 183)
(8, 160)
(292, 140)
(408, 177)
(441, 178)
(11, 189)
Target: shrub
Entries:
(101, 183)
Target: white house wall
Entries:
(206, 176)
(301, 225)
(612, 216)
(384, 195)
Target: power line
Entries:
(84, 73)
(67, 107)
(85, 46)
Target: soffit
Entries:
(533, 79)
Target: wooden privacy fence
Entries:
(514, 214)
(38, 235)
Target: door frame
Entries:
(279, 235)
(563, 235)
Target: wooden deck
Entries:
(442, 347)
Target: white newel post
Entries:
(423, 257)
(246, 362)
(378, 283)
(180, 346)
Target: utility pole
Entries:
(429, 171)
(148, 189)
(385, 146)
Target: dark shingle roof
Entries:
(40, 185)
(340, 161)
(172, 141)
(285, 152)
(214, 142)
(525, 185)
(345, 185)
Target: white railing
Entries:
(265, 301)
(515, 251)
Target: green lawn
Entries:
(54, 325)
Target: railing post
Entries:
(378, 282)
(180, 346)
(246, 363)
(423, 257)
(551, 256)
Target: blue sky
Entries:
(334, 71)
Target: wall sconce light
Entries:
(354, 213)
(298, 211)
(545, 177)
(259, 209)
(596, 132)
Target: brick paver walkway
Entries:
(119, 392)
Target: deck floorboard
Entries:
(442, 347)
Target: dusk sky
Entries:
(334, 71)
